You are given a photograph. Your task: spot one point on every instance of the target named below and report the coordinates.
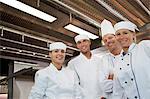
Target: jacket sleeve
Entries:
(71, 65)
(39, 88)
(146, 45)
(105, 84)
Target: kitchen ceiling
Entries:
(25, 37)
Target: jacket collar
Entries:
(53, 68)
(131, 47)
(116, 55)
(84, 57)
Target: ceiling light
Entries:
(78, 30)
(28, 9)
(20, 51)
(33, 54)
(4, 48)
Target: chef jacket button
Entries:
(125, 82)
(127, 64)
(127, 98)
(128, 54)
(122, 59)
(132, 79)
(135, 97)
(120, 68)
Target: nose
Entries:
(62, 52)
(59, 52)
(120, 36)
(82, 43)
(108, 41)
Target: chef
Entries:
(86, 66)
(55, 81)
(114, 48)
(132, 67)
(109, 39)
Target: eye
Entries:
(125, 33)
(117, 34)
(56, 51)
(84, 40)
(104, 40)
(78, 42)
(62, 51)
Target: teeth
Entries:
(110, 44)
(83, 47)
(59, 57)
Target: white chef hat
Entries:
(107, 28)
(81, 37)
(57, 45)
(125, 25)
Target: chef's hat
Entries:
(125, 25)
(57, 45)
(81, 37)
(107, 28)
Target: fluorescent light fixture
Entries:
(28, 9)
(80, 31)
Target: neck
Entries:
(58, 66)
(125, 49)
(116, 51)
(87, 55)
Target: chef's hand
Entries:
(108, 85)
(110, 77)
(102, 98)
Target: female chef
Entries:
(56, 82)
(132, 66)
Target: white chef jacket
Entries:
(87, 72)
(107, 84)
(133, 72)
(53, 84)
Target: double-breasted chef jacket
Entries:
(131, 73)
(109, 85)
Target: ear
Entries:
(50, 54)
(134, 37)
(134, 34)
(77, 45)
(90, 42)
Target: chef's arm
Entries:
(39, 88)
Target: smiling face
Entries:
(110, 42)
(57, 56)
(125, 37)
(84, 45)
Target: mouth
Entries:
(110, 44)
(123, 41)
(60, 57)
(83, 48)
